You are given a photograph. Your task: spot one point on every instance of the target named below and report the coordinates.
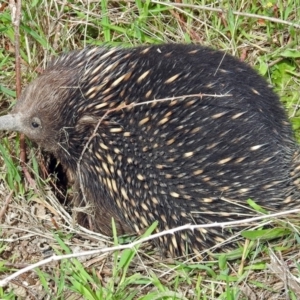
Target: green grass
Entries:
(49, 28)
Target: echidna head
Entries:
(37, 113)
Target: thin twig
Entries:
(6, 280)
(123, 106)
(5, 206)
(221, 10)
(15, 7)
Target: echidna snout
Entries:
(171, 133)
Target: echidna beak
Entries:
(11, 122)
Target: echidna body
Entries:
(171, 133)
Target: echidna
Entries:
(174, 133)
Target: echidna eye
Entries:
(35, 122)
